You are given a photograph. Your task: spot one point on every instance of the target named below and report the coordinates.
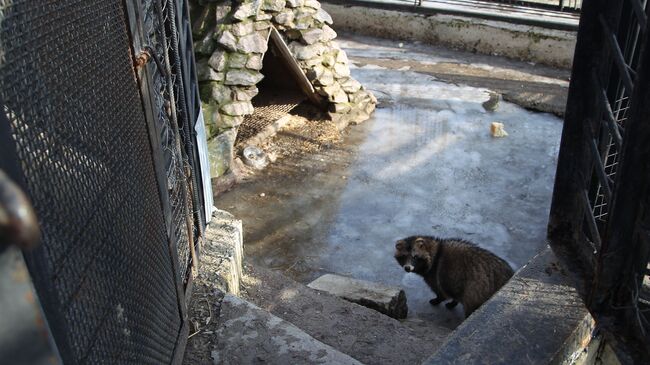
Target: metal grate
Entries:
(104, 272)
(270, 105)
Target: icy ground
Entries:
(425, 163)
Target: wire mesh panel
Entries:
(105, 272)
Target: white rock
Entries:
(243, 77)
(252, 43)
(323, 17)
(238, 108)
(218, 60)
(311, 36)
(328, 33)
(227, 40)
(255, 62)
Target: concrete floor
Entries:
(424, 164)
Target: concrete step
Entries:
(247, 334)
(362, 333)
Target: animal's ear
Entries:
(400, 245)
(420, 243)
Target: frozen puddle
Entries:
(430, 166)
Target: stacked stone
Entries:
(230, 42)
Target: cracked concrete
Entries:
(250, 335)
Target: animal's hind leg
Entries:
(451, 304)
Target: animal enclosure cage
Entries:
(599, 216)
(101, 112)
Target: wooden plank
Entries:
(296, 72)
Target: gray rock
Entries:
(312, 4)
(303, 23)
(262, 24)
(273, 5)
(237, 108)
(211, 118)
(263, 17)
(242, 28)
(215, 91)
(314, 72)
(311, 36)
(206, 45)
(329, 59)
(227, 40)
(326, 78)
(220, 151)
(266, 339)
(223, 247)
(341, 70)
(301, 13)
(292, 34)
(361, 96)
(229, 121)
(206, 73)
(350, 85)
(312, 62)
(385, 299)
(341, 57)
(253, 43)
(247, 94)
(284, 18)
(340, 108)
(295, 3)
(243, 77)
(323, 17)
(237, 60)
(302, 52)
(334, 93)
(255, 62)
(222, 11)
(328, 33)
(218, 60)
(246, 10)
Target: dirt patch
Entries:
(203, 312)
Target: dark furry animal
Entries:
(454, 269)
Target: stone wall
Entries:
(231, 38)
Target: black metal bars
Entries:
(601, 197)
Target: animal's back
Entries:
(471, 274)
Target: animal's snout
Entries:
(408, 268)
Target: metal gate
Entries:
(101, 102)
(600, 219)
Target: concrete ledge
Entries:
(222, 252)
(523, 42)
(250, 335)
(388, 300)
(537, 318)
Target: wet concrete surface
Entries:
(425, 163)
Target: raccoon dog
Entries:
(454, 269)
